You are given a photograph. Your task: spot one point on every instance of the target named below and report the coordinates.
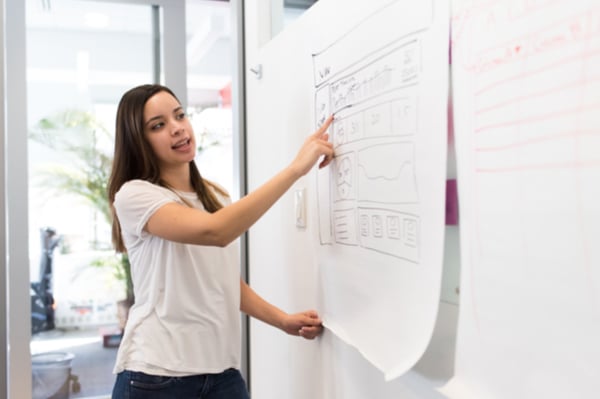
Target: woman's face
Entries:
(168, 130)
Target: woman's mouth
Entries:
(181, 144)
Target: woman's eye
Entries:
(157, 126)
(181, 116)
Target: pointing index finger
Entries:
(325, 125)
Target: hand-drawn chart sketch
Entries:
(381, 202)
(527, 103)
(376, 122)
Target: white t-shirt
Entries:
(186, 316)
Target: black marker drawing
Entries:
(369, 195)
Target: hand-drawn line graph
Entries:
(369, 195)
(387, 174)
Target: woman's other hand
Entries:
(304, 324)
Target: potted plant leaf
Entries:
(80, 136)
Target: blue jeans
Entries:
(135, 385)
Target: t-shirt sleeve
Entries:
(136, 202)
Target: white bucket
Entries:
(50, 371)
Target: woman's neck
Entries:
(177, 179)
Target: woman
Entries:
(183, 335)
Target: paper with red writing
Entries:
(526, 96)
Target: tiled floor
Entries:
(92, 362)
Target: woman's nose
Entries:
(177, 129)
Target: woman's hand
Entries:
(304, 324)
(315, 146)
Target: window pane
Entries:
(81, 57)
(209, 54)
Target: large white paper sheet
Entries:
(526, 92)
(381, 203)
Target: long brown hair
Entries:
(134, 158)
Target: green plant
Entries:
(78, 135)
(121, 271)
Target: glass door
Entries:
(68, 62)
(81, 57)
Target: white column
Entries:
(15, 123)
(3, 240)
(173, 47)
